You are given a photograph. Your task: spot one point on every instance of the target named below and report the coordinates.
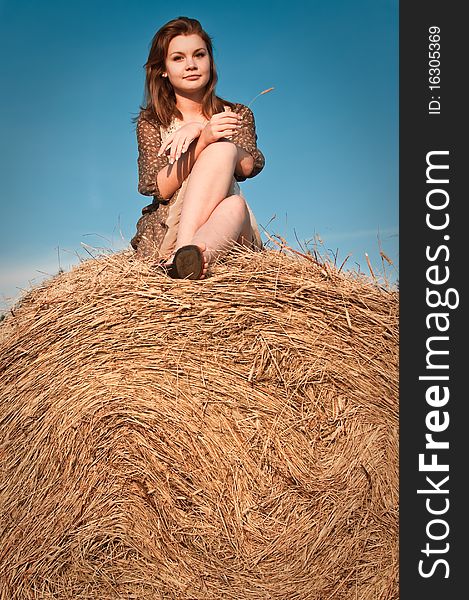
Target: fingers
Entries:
(179, 146)
(173, 154)
(226, 130)
(166, 143)
(227, 113)
(226, 117)
(173, 144)
(225, 124)
(186, 145)
(163, 148)
(221, 125)
(179, 141)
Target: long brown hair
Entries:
(160, 100)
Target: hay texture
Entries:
(234, 438)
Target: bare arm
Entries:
(159, 178)
(222, 126)
(171, 177)
(154, 168)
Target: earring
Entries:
(164, 75)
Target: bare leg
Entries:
(209, 218)
(209, 184)
(229, 223)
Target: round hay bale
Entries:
(231, 438)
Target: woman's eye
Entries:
(198, 55)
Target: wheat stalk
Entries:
(261, 94)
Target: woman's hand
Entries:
(178, 142)
(221, 125)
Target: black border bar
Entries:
(434, 433)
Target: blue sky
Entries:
(72, 79)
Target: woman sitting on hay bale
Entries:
(193, 149)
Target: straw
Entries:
(233, 438)
(260, 94)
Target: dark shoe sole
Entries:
(188, 262)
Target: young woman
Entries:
(194, 148)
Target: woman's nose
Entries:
(190, 64)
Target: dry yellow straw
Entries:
(235, 437)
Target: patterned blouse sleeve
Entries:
(246, 138)
(149, 163)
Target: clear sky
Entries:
(72, 79)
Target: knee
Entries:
(238, 206)
(222, 149)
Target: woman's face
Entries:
(188, 64)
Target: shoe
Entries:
(188, 263)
